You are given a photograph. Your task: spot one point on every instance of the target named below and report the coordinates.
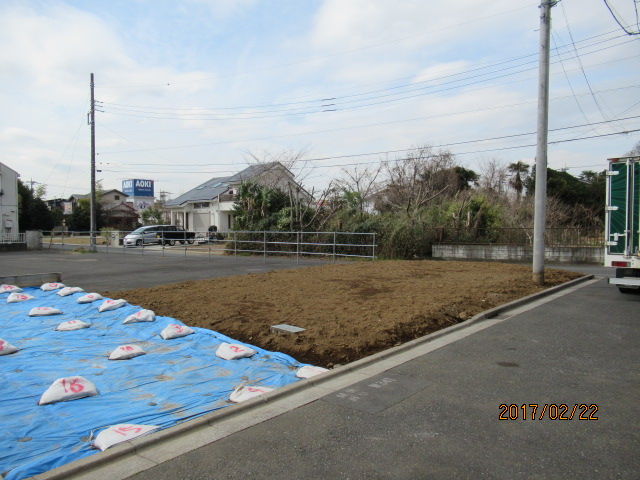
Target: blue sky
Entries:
(187, 89)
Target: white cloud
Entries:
(219, 53)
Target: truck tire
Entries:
(190, 242)
(628, 290)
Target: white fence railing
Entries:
(265, 243)
(13, 238)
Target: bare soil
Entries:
(348, 311)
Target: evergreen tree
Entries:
(33, 213)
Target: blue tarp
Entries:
(175, 381)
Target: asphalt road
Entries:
(138, 268)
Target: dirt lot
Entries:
(349, 311)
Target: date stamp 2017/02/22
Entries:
(550, 411)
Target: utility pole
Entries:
(32, 182)
(540, 215)
(92, 121)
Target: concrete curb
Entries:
(32, 280)
(138, 445)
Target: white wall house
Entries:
(211, 203)
(8, 204)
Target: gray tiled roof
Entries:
(219, 185)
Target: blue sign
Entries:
(138, 188)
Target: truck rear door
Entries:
(623, 206)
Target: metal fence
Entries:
(553, 237)
(334, 245)
(13, 238)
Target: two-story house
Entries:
(211, 203)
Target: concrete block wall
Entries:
(517, 253)
(34, 240)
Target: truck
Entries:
(622, 222)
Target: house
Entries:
(111, 198)
(8, 203)
(118, 213)
(211, 203)
(106, 199)
(121, 216)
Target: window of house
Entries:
(117, 197)
(201, 205)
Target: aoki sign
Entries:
(138, 188)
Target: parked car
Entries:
(210, 236)
(154, 234)
(170, 234)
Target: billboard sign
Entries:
(67, 208)
(138, 188)
(143, 204)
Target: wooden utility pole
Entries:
(92, 121)
(540, 215)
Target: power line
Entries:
(387, 152)
(343, 128)
(329, 98)
(348, 108)
(615, 17)
(315, 59)
(336, 103)
(579, 60)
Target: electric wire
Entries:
(226, 142)
(388, 152)
(337, 54)
(335, 106)
(615, 17)
(329, 98)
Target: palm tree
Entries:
(517, 169)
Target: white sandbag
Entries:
(4, 288)
(16, 297)
(175, 331)
(69, 291)
(309, 371)
(142, 316)
(234, 351)
(48, 287)
(125, 352)
(90, 297)
(43, 311)
(120, 433)
(68, 388)
(6, 348)
(244, 393)
(72, 325)
(111, 304)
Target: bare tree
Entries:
(416, 180)
(361, 180)
(288, 158)
(634, 151)
(306, 208)
(493, 177)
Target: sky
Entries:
(187, 90)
